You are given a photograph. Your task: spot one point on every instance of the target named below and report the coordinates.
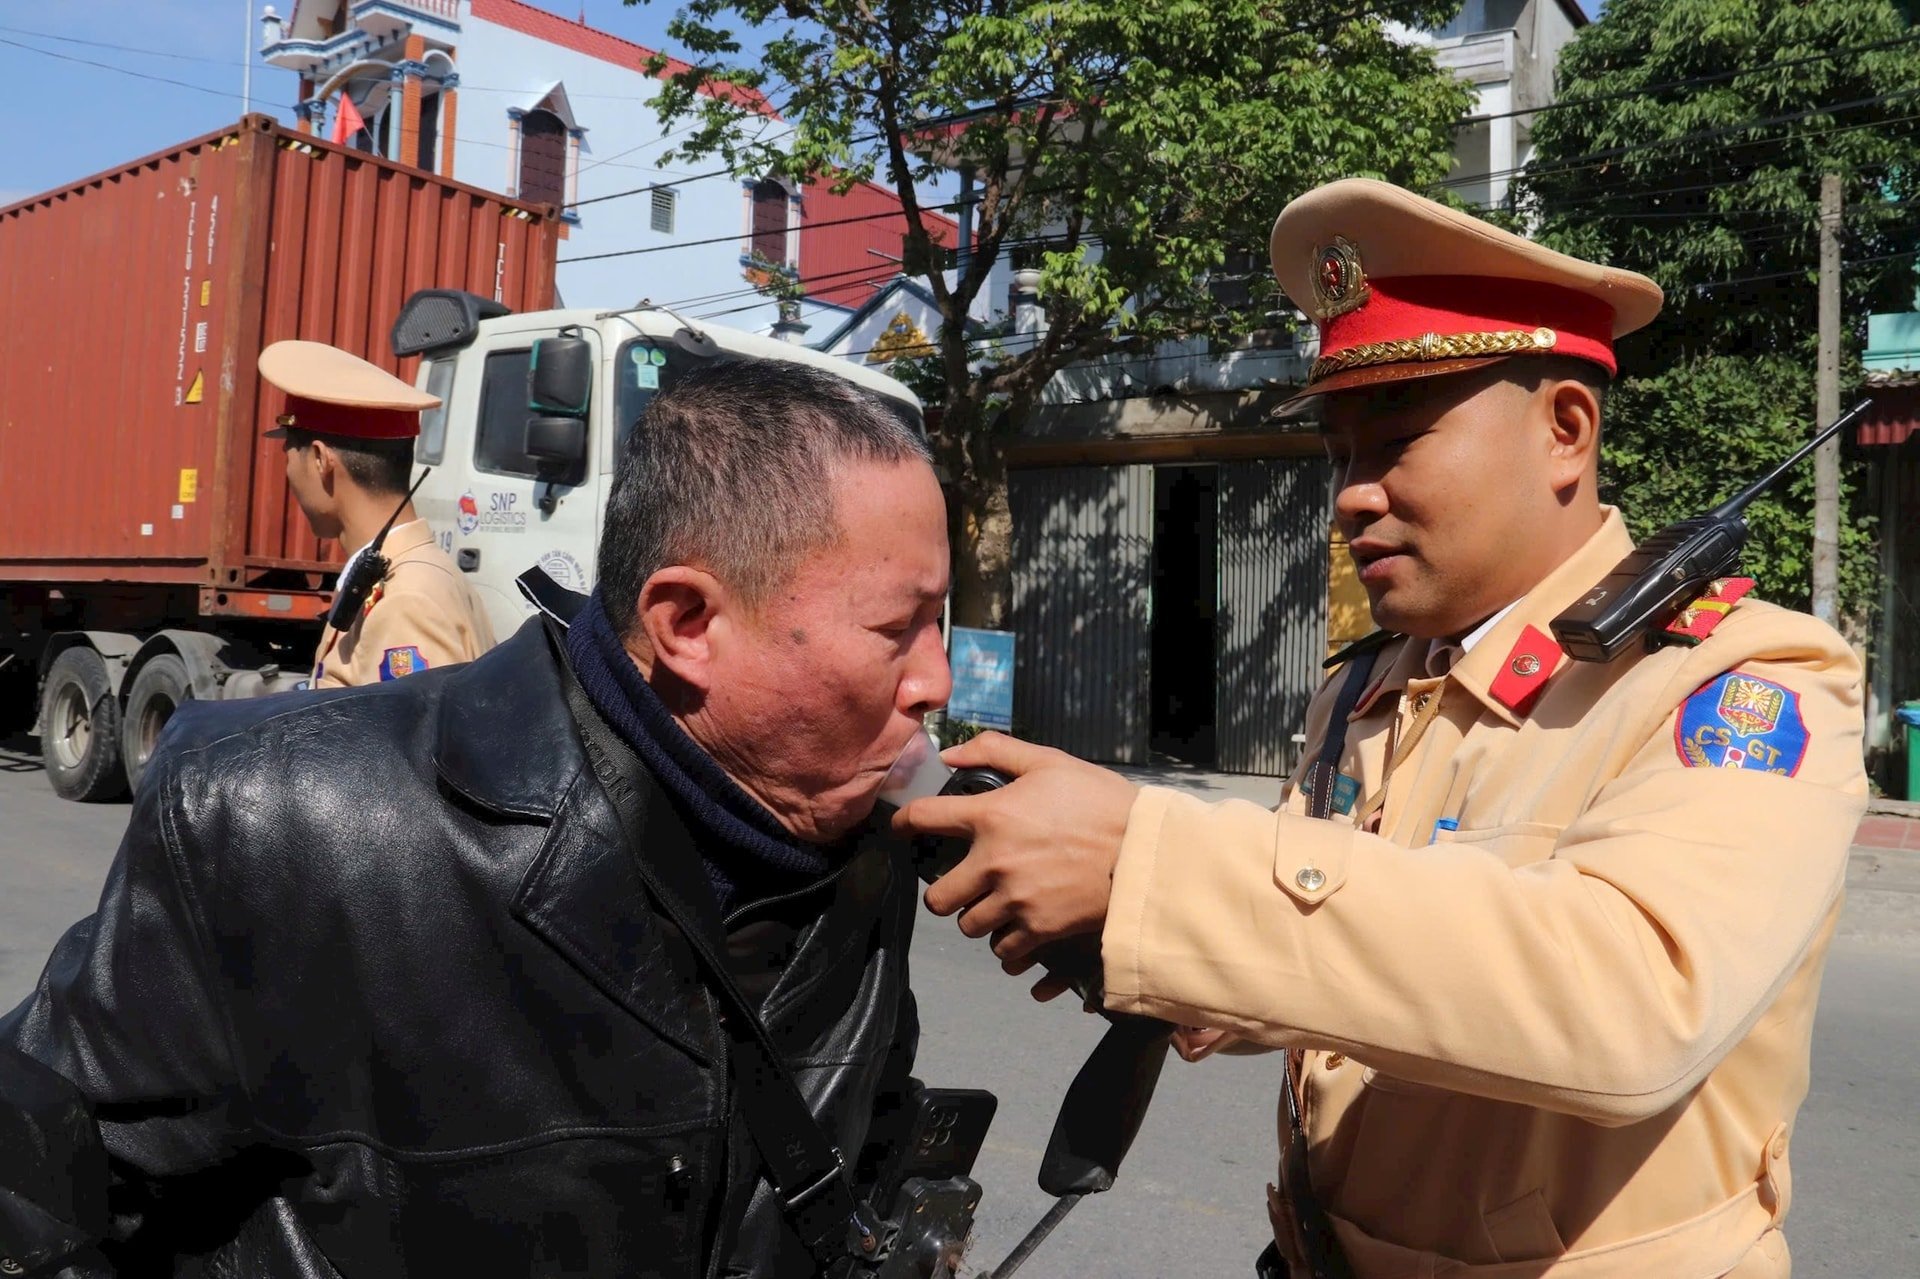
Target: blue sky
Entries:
(78, 67)
(81, 119)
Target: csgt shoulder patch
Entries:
(1742, 721)
(401, 661)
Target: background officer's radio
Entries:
(1648, 588)
(366, 570)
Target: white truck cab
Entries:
(535, 411)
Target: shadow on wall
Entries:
(1273, 610)
(1082, 553)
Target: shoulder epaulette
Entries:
(1696, 621)
(1371, 644)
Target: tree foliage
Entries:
(1688, 144)
(1126, 149)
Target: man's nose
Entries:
(928, 682)
(1359, 498)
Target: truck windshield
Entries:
(646, 367)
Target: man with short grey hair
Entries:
(432, 977)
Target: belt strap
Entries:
(809, 1173)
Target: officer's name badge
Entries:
(401, 661)
(1742, 721)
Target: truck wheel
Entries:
(80, 729)
(158, 690)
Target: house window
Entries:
(543, 158)
(663, 199)
(770, 221)
(1231, 284)
(429, 141)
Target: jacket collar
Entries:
(1481, 671)
(506, 742)
(505, 739)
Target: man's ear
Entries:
(1573, 419)
(679, 609)
(326, 464)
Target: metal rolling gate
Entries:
(1083, 557)
(1272, 630)
(1083, 560)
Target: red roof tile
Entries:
(837, 257)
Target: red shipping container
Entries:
(137, 303)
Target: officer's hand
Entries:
(1043, 847)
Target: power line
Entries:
(722, 239)
(126, 71)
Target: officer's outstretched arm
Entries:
(1600, 970)
(121, 1026)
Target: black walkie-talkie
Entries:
(1648, 588)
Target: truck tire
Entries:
(158, 690)
(80, 729)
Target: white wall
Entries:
(501, 68)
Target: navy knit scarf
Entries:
(747, 853)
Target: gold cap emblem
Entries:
(1339, 283)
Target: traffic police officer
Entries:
(349, 428)
(1548, 972)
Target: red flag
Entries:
(346, 120)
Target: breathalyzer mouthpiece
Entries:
(917, 774)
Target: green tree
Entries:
(1126, 149)
(1688, 144)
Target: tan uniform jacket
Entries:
(1569, 1037)
(423, 614)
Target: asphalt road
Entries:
(1190, 1201)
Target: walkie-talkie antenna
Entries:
(1738, 502)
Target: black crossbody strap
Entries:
(1324, 1256)
(1325, 769)
(809, 1174)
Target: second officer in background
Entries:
(349, 428)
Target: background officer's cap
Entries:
(330, 392)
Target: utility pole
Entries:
(1826, 461)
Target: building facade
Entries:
(1889, 441)
(510, 97)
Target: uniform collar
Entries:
(1516, 657)
(402, 538)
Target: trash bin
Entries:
(1908, 717)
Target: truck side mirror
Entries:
(558, 447)
(559, 391)
(560, 376)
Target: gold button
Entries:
(1335, 1061)
(1311, 879)
(1526, 664)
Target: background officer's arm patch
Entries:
(401, 661)
(1741, 721)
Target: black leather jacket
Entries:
(374, 990)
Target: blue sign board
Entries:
(982, 678)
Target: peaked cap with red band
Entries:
(331, 392)
(1401, 287)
